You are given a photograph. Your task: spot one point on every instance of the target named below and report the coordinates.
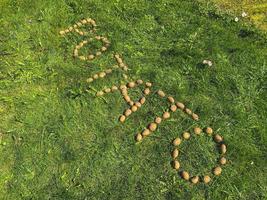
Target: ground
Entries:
(59, 142)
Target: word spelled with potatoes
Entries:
(134, 106)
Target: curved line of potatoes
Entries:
(217, 170)
(135, 105)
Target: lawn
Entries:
(59, 141)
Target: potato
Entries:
(217, 138)
(171, 99)
(217, 171)
(206, 179)
(188, 111)
(175, 153)
(166, 115)
(145, 132)
(176, 164)
(122, 118)
(180, 105)
(194, 179)
(138, 137)
(173, 108)
(161, 93)
(142, 100)
(134, 108)
(148, 84)
(146, 91)
(223, 161)
(131, 84)
(197, 130)
(223, 149)
(158, 120)
(127, 112)
(185, 175)
(186, 135)
(195, 117)
(139, 81)
(209, 130)
(152, 126)
(176, 141)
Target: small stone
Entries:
(122, 118)
(176, 164)
(138, 104)
(171, 99)
(186, 135)
(62, 32)
(209, 130)
(175, 153)
(102, 74)
(131, 103)
(142, 100)
(197, 130)
(131, 84)
(139, 81)
(148, 84)
(158, 120)
(138, 137)
(146, 91)
(223, 149)
(206, 179)
(89, 80)
(134, 108)
(145, 132)
(185, 175)
(98, 37)
(217, 138)
(223, 161)
(217, 171)
(152, 126)
(127, 112)
(194, 179)
(176, 141)
(244, 14)
(161, 93)
(166, 115)
(188, 111)
(173, 108)
(195, 117)
(180, 105)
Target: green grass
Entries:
(256, 10)
(58, 142)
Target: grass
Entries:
(256, 10)
(58, 142)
